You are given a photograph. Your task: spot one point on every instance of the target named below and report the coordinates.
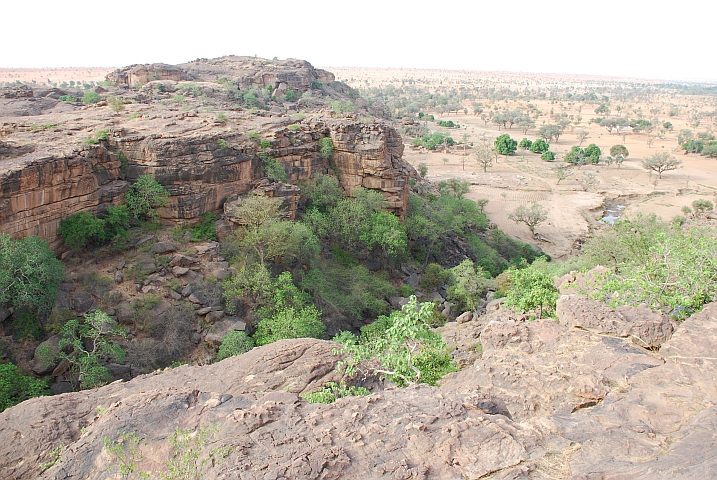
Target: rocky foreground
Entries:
(579, 398)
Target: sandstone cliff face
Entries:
(136, 75)
(40, 189)
(48, 174)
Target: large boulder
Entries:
(640, 324)
(46, 356)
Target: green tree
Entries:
(234, 343)
(16, 387)
(531, 216)
(549, 132)
(582, 136)
(661, 162)
(602, 109)
(81, 228)
(531, 289)
(710, 150)
(539, 146)
(29, 273)
(273, 170)
(466, 284)
(561, 173)
(116, 104)
(616, 150)
(525, 144)
(264, 236)
(326, 147)
(385, 231)
(288, 313)
(702, 206)
(666, 268)
(145, 196)
(593, 153)
(89, 342)
(548, 156)
(403, 344)
(454, 187)
(90, 97)
(505, 145)
(422, 170)
(685, 136)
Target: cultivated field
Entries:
(523, 177)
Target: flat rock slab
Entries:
(640, 324)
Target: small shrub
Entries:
(222, 144)
(67, 98)
(264, 144)
(90, 97)
(25, 325)
(205, 229)
(702, 206)
(234, 343)
(80, 229)
(548, 156)
(434, 277)
(144, 196)
(294, 127)
(178, 98)
(332, 392)
(326, 147)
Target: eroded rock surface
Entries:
(203, 148)
(640, 324)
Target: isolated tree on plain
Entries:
(484, 157)
(531, 216)
(481, 203)
(616, 150)
(505, 145)
(561, 173)
(550, 132)
(525, 123)
(685, 136)
(602, 108)
(582, 136)
(661, 162)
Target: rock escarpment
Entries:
(201, 146)
(545, 401)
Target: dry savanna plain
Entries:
(577, 202)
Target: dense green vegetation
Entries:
(29, 273)
(16, 387)
(668, 266)
(404, 344)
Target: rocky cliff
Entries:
(544, 400)
(193, 138)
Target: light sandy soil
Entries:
(55, 75)
(523, 177)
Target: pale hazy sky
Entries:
(653, 39)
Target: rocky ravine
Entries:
(190, 133)
(545, 400)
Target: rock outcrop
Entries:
(641, 325)
(544, 401)
(137, 75)
(200, 156)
